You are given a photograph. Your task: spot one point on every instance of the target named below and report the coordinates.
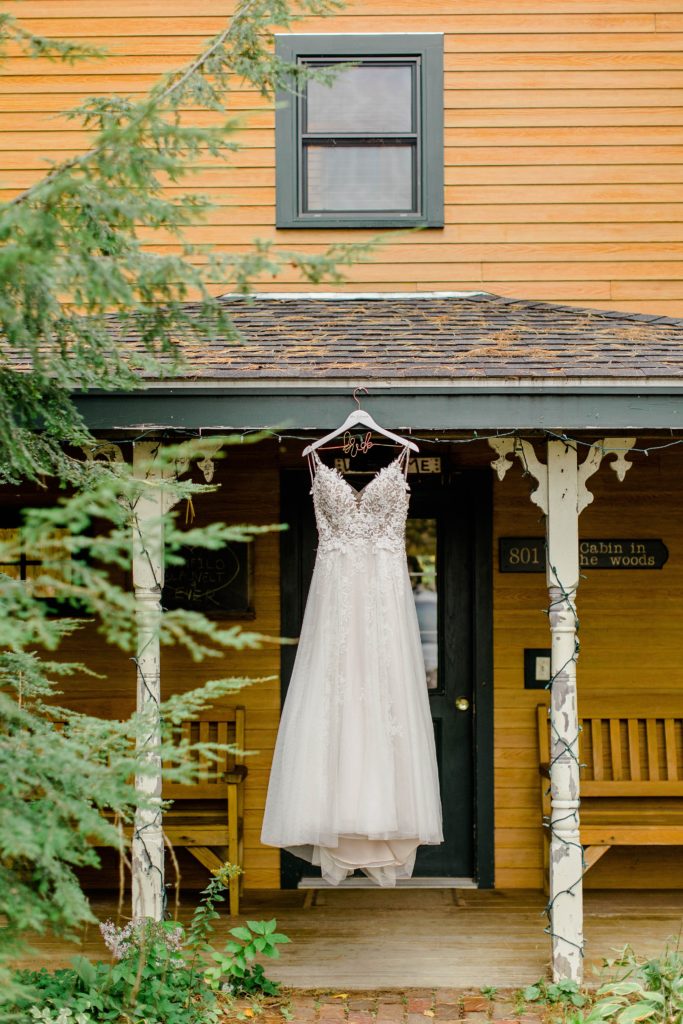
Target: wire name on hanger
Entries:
(353, 444)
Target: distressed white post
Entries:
(154, 501)
(562, 495)
(147, 852)
(562, 578)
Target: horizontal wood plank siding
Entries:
(564, 141)
(640, 668)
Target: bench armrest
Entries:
(238, 773)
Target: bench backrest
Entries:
(224, 726)
(624, 753)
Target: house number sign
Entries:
(527, 554)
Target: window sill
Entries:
(332, 221)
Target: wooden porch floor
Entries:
(375, 939)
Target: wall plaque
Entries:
(527, 554)
(213, 582)
(421, 464)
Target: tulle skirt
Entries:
(354, 782)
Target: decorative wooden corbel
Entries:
(524, 450)
(509, 447)
(203, 451)
(208, 449)
(617, 446)
(103, 451)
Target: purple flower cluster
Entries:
(139, 932)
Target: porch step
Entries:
(402, 883)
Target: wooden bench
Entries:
(209, 814)
(631, 778)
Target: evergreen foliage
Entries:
(79, 275)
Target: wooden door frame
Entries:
(482, 670)
(292, 573)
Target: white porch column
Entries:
(155, 500)
(562, 495)
(562, 578)
(147, 853)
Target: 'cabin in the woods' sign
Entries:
(527, 554)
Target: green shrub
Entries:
(644, 988)
(636, 989)
(160, 973)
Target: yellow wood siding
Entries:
(564, 151)
(630, 633)
(248, 496)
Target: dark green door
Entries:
(448, 546)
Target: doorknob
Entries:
(462, 703)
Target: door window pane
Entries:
(341, 177)
(368, 98)
(49, 560)
(421, 550)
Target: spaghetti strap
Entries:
(404, 461)
(314, 461)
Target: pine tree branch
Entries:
(241, 16)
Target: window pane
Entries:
(421, 551)
(362, 99)
(11, 569)
(359, 177)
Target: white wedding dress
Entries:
(354, 781)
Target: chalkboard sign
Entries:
(214, 582)
(527, 554)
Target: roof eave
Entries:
(322, 405)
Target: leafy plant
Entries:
(150, 984)
(232, 965)
(158, 973)
(645, 988)
(637, 989)
(63, 1016)
(598, 1013)
(565, 993)
(69, 778)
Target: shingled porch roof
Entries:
(513, 364)
(434, 337)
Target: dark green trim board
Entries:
(425, 51)
(225, 407)
(481, 494)
(296, 568)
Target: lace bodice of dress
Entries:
(374, 517)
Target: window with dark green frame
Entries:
(364, 149)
